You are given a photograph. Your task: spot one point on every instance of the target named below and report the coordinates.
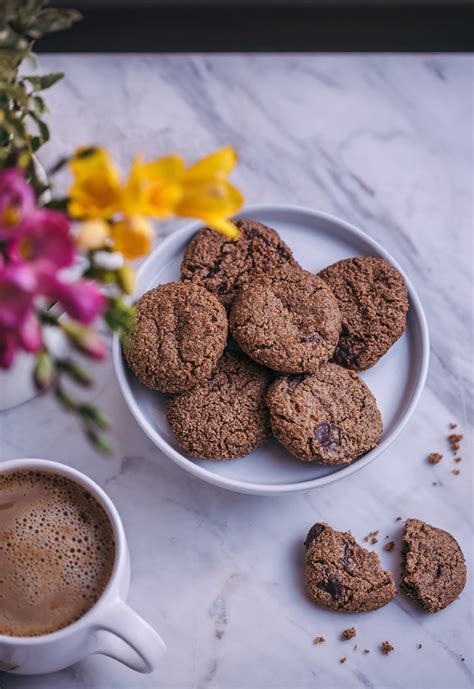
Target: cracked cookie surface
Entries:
(373, 301)
(329, 417)
(289, 322)
(225, 417)
(180, 333)
(224, 266)
(340, 574)
(434, 568)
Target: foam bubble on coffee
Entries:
(57, 552)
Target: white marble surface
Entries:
(385, 142)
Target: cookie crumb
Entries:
(452, 425)
(454, 440)
(434, 483)
(343, 660)
(349, 633)
(420, 646)
(355, 647)
(389, 546)
(398, 519)
(319, 640)
(435, 457)
(458, 459)
(366, 650)
(456, 472)
(374, 540)
(386, 647)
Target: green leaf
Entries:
(98, 441)
(93, 415)
(45, 81)
(75, 371)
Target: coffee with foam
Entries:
(57, 552)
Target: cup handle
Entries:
(136, 643)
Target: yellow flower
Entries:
(154, 188)
(96, 191)
(132, 236)
(92, 234)
(207, 195)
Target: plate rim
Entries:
(281, 488)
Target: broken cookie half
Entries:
(434, 568)
(341, 575)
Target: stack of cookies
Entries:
(298, 340)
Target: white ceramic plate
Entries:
(317, 240)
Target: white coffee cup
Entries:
(110, 627)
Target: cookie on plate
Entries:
(225, 417)
(224, 266)
(341, 575)
(289, 321)
(434, 568)
(329, 417)
(180, 333)
(373, 301)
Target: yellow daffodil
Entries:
(153, 188)
(96, 190)
(92, 234)
(207, 195)
(132, 236)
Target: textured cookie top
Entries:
(329, 417)
(373, 301)
(434, 567)
(341, 575)
(225, 266)
(225, 417)
(180, 333)
(289, 321)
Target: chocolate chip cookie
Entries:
(329, 417)
(341, 575)
(373, 300)
(289, 321)
(225, 417)
(224, 266)
(180, 333)
(434, 568)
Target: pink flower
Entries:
(18, 285)
(82, 300)
(19, 327)
(45, 237)
(17, 201)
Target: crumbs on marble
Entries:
(389, 546)
(343, 660)
(435, 457)
(349, 634)
(366, 651)
(419, 646)
(386, 647)
(398, 519)
(456, 472)
(355, 647)
(319, 640)
(372, 536)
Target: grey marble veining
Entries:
(386, 143)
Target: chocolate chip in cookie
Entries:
(341, 575)
(373, 301)
(329, 417)
(434, 568)
(180, 333)
(224, 417)
(224, 266)
(289, 321)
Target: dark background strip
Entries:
(413, 28)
